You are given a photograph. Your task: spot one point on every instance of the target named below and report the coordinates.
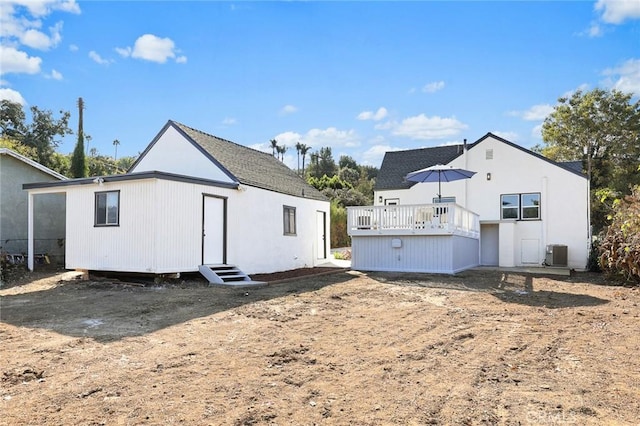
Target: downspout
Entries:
(466, 167)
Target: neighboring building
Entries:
(526, 207)
(49, 211)
(193, 199)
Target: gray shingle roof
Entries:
(249, 166)
(396, 164)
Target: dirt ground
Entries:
(480, 347)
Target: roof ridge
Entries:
(219, 138)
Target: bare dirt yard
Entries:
(480, 347)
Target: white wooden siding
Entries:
(160, 228)
(432, 254)
(172, 153)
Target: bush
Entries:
(339, 236)
(620, 247)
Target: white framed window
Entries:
(437, 200)
(520, 206)
(107, 208)
(289, 220)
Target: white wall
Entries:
(172, 153)
(161, 228)
(564, 198)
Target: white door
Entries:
(214, 231)
(489, 244)
(321, 235)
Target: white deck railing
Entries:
(419, 219)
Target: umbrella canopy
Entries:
(439, 173)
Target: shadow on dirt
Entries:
(505, 286)
(109, 311)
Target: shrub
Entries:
(620, 247)
(339, 236)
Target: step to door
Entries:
(227, 275)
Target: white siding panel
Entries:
(434, 254)
(174, 154)
(161, 228)
(127, 247)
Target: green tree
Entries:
(274, 146)
(12, 120)
(322, 163)
(116, 143)
(298, 147)
(347, 161)
(44, 132)
(78, 161)
(304, 149)
(601, 128)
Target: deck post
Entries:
(30, 245)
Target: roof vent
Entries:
(489, 154)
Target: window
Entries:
(520, 206)
(107, 208)
(289, 217)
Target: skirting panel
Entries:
(444, 254)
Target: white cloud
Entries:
(16, 61)
(125, 52)
(433, 87)
(374, 155)
(55, 75)
(535, 113)
(149, 47)
(36, 39)
(375, 116)
(583, 88)
(332, 137)
(421, 127)
(12, 95)
(73, 48)
(98, 59)
(288, 109)
(595, 30)
(618, 11)
(40, 8)
(229, 121)
(536, 132)
(510, 136)
(317, 138)
(626, 77)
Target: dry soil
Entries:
(480, 347)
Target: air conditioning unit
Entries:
(556, 255)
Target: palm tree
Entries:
(274, 146)
(283, 149)
(303, 150)
(298, 146)
(116, 143)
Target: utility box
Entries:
(556, 255)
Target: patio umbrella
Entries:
(439, 173)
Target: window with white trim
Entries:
(289, 220)
(520, 206)
(107, 208)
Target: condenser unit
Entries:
(556, 255)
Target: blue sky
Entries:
(360, 77)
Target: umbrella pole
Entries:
(439, 188)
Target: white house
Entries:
(521, 208)
(193, 199)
